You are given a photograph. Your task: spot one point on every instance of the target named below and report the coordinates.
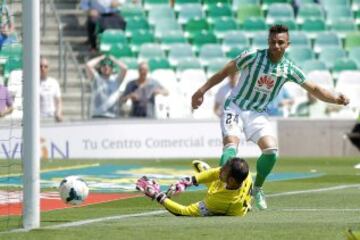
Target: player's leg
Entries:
(259, 130)
(230, 127)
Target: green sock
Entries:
(264, 165)
(227, 154)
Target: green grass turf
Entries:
(324, 215)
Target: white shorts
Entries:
(254, 125)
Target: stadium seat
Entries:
(267, 3)
(237, 4)
(342, 26)
(190, 11)
(131, 62)
(338, 12)
(111, 37)
(210, 51)
(141, 37)
(325, 40)
(120, 51)
(172, 37)
(215, 65)
(279, 11)
(202, 38)
(300, 54)
(307, 11)
(344, 64)
(11, 64)
(190, 79)
(158, 63)
(235, 39)
(254, 24)
(352, 40)
(330, 54)
(312, 26)
(355, 6)
(195, 26)
(164, 26)
(188, 63)
(218, 10)
(167, 78)
(289, 22)
(130, 11)
(150, 50)
(180, 51)
(299, 39)
(149, 4)
(348, 82)
(161, 13)
(11, 50)
(243, 12)
(234, 52)
(354, 54)
(260, 40)
(331, 4)
(180, 3)
(323, 78)
(207, 3)
(223, 25)
(314, 65)
(136, 24)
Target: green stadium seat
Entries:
(299, 39)
(352, 40)
(267, 3)
(218, 10)
(254, 24)
(180, 51)
(188, 63)
(342, 26)
(215, 64)
(344, 64)
(313, 65)
(194, 26)
(111, 37)
(158, 63)
(355, 6)
(300, 54)
(330, 54)
(131, 62)
(136, 24)
(12, 63)
(190, 11)
(150, 50)
(237, 4)
(161, 13)
(207, 3)
(279, 11)
(234, 52)
(180, 3)
(338, 12)
(260, 40)
(331, 4)
(11, 50)
(354, 54)
(326, 39)
(149, 4)
(202, 38)
(172, 37)
(312, 10)
(121, 50)
(236, 39)
(163, 26)
(210, 51)
(141, 37)
(223, 25)
(246, 11)
(289, 22)
(131, 11)
(312, 26)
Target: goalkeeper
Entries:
(229, 190)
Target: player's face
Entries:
(44, 68)
(278, 42)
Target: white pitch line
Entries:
(79, 223)
(316, 210)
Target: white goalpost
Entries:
(31, 115)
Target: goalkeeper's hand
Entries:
(179, 186)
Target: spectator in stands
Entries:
(223, 93)
(142, 92)
(7, 27)
(50, 94)
(102, 15)
(281, 105)
(6, 102)
(312, 108)
(106, 85)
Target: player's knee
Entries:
(270, 151)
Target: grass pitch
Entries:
(296, 211)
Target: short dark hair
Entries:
(278, 28)
(107, 61)
(239, 169)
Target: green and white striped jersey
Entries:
(261, 80)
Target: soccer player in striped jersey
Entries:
(263, 73)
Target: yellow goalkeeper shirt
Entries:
(222, 201)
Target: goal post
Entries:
(31, 115)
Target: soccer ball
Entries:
(73, 190)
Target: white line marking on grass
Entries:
(314, 190)
(96, 220)
(316, 210)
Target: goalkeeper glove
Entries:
(180, 186)
(150, 188)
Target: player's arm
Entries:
(90, 66)
(198, 96)
(325, 95)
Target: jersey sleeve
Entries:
(208, 176)
(296, 75)
(245, 58)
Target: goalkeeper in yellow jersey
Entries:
(229, 190)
